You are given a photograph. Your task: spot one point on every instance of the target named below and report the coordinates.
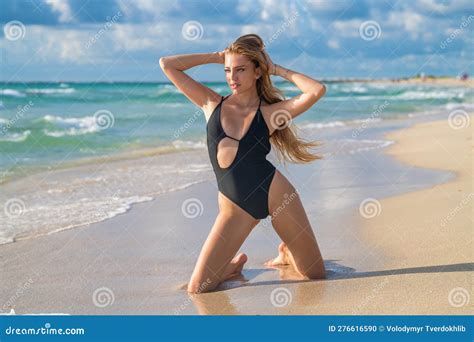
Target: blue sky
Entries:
(122, 40)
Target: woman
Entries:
(241, 128)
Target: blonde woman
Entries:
(241, 128)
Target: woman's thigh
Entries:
(230, 229)
(292, 225)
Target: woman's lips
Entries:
(233, 86)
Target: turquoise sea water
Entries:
(51, 124)
(72, 154)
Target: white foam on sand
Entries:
(13, 313)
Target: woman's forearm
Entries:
(305, 83)
(187, 61)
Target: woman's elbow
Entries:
(319, 91)
(163, 62)
(322, 90)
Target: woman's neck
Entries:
(246, 99)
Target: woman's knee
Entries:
(201, 285)
(315, 272)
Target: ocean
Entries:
(77, 153)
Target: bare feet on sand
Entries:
(283, 257)
(235, 266)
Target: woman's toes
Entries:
(235, 266)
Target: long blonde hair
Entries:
(285, 140)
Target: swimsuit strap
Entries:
(223, 98)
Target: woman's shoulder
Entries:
(211, 105)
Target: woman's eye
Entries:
(237, 70)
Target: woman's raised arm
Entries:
(311, 90)
(174, 67)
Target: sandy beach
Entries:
(414, 256)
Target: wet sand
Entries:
(407, 260)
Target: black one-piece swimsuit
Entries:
(246, 181)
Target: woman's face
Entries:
(240, 72)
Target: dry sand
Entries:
(415, 257)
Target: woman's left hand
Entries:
(270, 65)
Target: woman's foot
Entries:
(235, 266)
(283, 257)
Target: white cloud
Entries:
(347, 28)
(63, 8)
(334, 44)
(412, 22)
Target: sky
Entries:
(122, 40)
